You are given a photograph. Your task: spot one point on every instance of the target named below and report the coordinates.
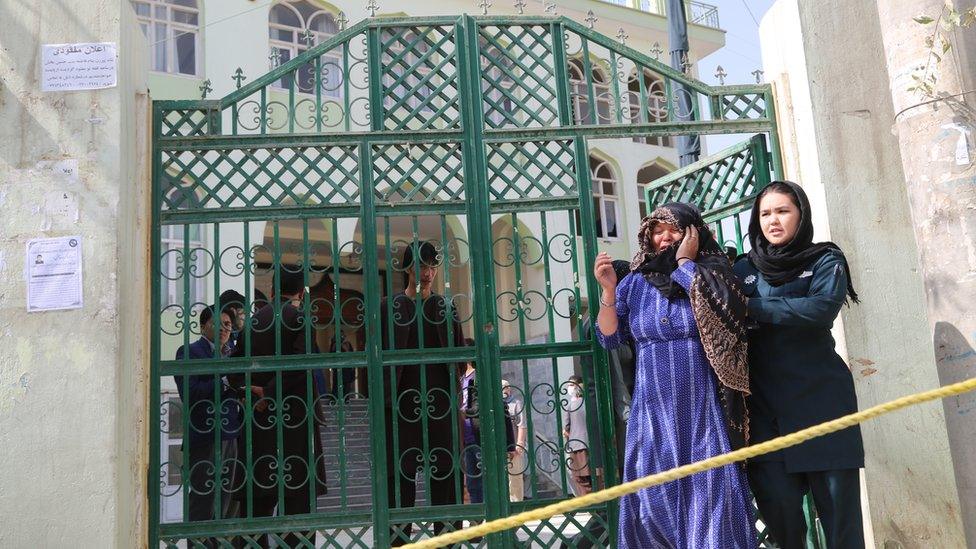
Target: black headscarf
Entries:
(621, 268)
(782, 264)
(717, 302)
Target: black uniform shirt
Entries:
(797, 378)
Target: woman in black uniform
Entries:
(796, 289)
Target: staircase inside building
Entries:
(346, 443)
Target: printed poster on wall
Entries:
(70, 67)
(53, 267)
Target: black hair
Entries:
(206, 315)
(231, 299)
(428, 257)
(289, 282)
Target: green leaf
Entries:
(937, 58)
(923, 19)
(946, 46)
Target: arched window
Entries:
(645, 176)
(404, 78)
(655, 104)
(499, 108)
(605, 197)
(172, 240)
(287, 23)
(173, 30)
(579, 93)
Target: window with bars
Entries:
(606, 208)
(582, 113)
(172, 28)
(499, 107)
(171, 455)
(645, 176)
(173, 438)
(399, 81)
(655, 105)
(175, 260)
(289, 25)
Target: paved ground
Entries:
(364, 537)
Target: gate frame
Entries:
(727, 116)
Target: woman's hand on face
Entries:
(603, 270)
(688, 249)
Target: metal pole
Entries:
(689, 146)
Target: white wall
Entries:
(835, 114)
(71, 416)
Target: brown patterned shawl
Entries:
(717, 302)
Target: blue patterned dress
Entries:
(675, 419)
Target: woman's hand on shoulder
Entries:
(604, 273)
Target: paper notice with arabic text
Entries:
(69, 67)
(53, 268)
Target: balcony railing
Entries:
(698, 13)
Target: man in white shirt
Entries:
(517, 462)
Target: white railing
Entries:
(698, 13)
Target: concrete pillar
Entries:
(74, 383)
(835, 116)
(936, 140)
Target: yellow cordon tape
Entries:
(779, 443)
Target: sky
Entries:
(739, 57)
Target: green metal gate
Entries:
(466, 135)
(723, 186)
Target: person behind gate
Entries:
(197, 393)
(404, 325)
(232, 302)
(281, 318)
(471, 434)
(796, 290)
(518, 464)
(682, 308)
(576, 438)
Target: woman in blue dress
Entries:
(682, 308)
